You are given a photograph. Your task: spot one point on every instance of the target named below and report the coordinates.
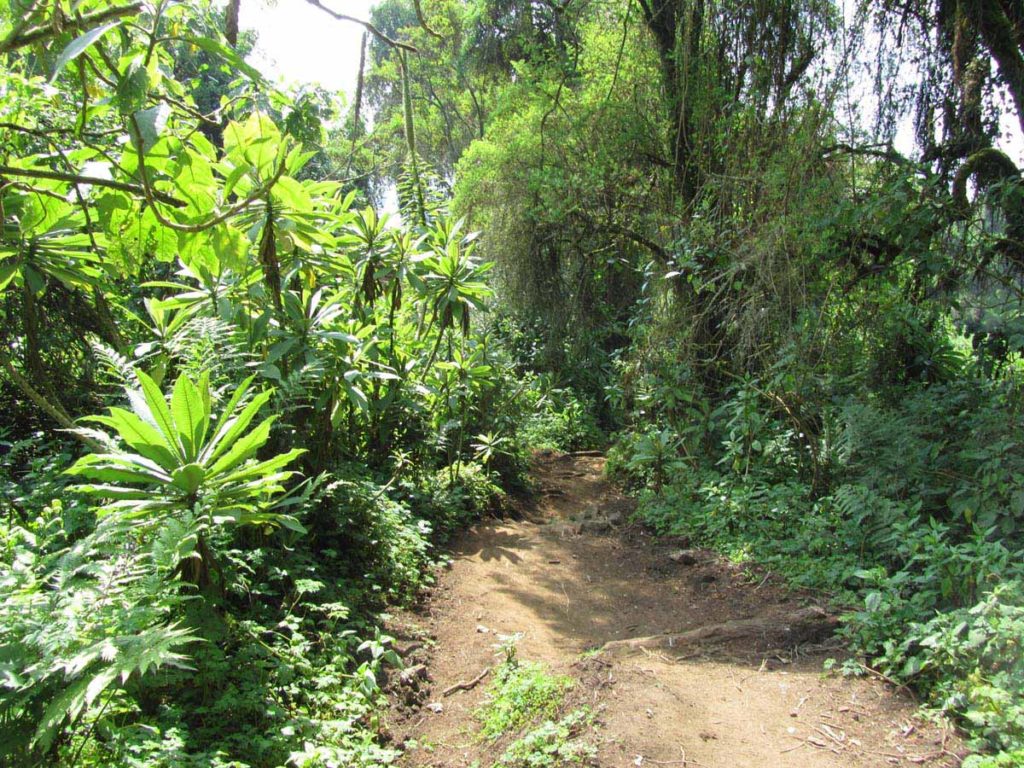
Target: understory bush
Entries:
(458, 495)
(553, 744)
(388, 546)
(557, 418)
(200, 640)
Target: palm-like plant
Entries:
(171, 460)
(658, 452)
(450, 282)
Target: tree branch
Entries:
(54, 410)
(366, 25)
(881, 151)
(89, 20)
(421, 17)
(996, 161)
(36, 173)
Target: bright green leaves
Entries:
(134, 86)
(191, 413)
(42, 237)
(453, 281)
(78, 46)
(153, 408)
(177, 457)
(8, 270)
(139, 434)
(151, 123)
(232, 427)
(110, 660)
(257, 143)
(228, 55)
(188, 478)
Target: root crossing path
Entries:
(701, 662)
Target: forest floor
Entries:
(728, 672)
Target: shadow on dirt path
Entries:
(572, 576)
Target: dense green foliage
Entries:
(297, 401)
(808, 342)
(241, 403)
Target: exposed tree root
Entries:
(805, 625)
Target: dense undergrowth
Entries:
(241, 408)
(213, 625)
(905, 511)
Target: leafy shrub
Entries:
(557, 418)
(952, 446)
(654, 456)
(1013, 759)
(918, 535)
(183, 474)
(32, 477)
(972, 661)
(117, 624)
(286, 669)
(456, 495)
(386, 545)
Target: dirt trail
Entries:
(568, 586)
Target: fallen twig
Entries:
(885, 678)
(467, 686)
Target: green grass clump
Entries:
(553, 744)
(520, 694)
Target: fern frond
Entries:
(113, 369)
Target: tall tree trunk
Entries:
(356, 128)
(677, 27)
(30, 324)
(231, 22)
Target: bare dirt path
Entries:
(572, 576)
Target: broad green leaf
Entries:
(231, 246)
(7, 272)
(152, 123)
(35, 281)
(229, 55)
(133, 87)
(291, 195)
(289, 522)
(160, 414)
(243, 448)
(263, 467)
(78, 46)
(238, 395)
(139, 435)
(232, 427)
(189, 416)
(188, 478)
(114, 491)
(124, 467)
